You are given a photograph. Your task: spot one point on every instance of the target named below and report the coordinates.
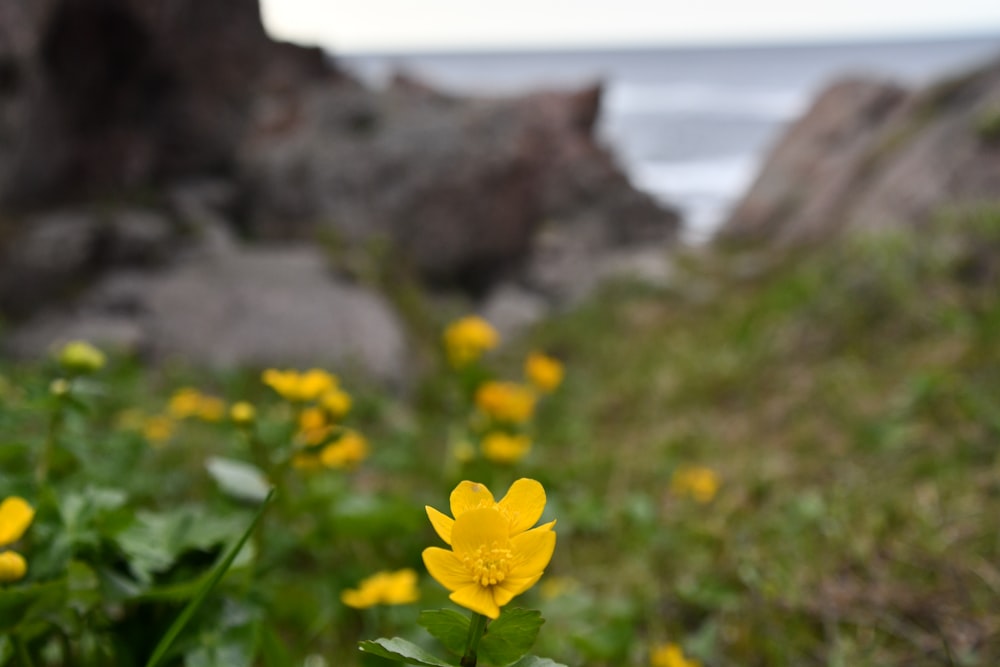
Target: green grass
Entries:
(846, 397)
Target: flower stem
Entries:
(24, 658)
(44, 465)
(477, 628)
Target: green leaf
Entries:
(400, 650)
(447, 626)
(217, 573)
(509, 637)
(20, 604)
(535, 661)
(238, 479)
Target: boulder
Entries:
(244, 307)
(869, 155)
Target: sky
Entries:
(405, 25)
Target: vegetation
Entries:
(780, 461)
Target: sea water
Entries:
(690, 126)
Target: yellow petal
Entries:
(442, 523)
(469, 496)
(446, 568)
(523, 504)
(478, 599)
(477, 528)
(511, 587)
(15, 517)
(12, 567)
(534, 549)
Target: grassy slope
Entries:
(848, 399)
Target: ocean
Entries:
(688, 125)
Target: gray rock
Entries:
(512, 310)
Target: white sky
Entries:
(372, 25)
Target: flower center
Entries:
(490, 564)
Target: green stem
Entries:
(23, 657)
(477, 628)
(51, 442)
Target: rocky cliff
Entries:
(871, 155)
(146, 144)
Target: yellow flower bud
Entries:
(13, 567)
(242, 413)
(81, 357)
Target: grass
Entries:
(845, 396)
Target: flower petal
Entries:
(12, 567)
(442, 523)
(446, 568)
(478, 599)
(478, 528)
(511, 587)
(534, 550)
(523, 504)
(15, 517)
(469, 496)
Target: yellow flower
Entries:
(337, 402)
(242, 413)
(299, 387)
(495, 554)
(698, 482)
(399, 587)
(347, 452)
(15, 517)
(466, 339)
(506, 401)
(81, 357)
(211, 409)
(670, 655)
(158, 429)
(306, 462)
(59, 387)
(544, 372)
(313, 426)
(504, 448)
(189, 402)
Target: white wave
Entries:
(704, 190)
(628, 98)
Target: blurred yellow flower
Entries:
(337, 402)
(495, 554)
(59, 387)
(506, 401)
(463, 451)
(306, 462)
(502, 447)
(242, 413)
(15, 517)
(544, 372)
(81, 357)
(698, 482)
(347, 452)
(313, 426)
(466, 339)
(399, 587)
(157, 429)
(554, 587)
(189, 402)
(670, 655)
(299, 387)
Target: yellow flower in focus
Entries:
(698, 482)
(337, 402)
(466, 339)
(670, 655)
(544, 372)
(495, 554)
(347, 452)
(158, 429)
(242, 413)
(390, 588)
(15, 517)
(506, 401)
(505, 448)
(81, 357)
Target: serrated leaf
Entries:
(535, 661)
(511, 636)
(447, 626)
(400, 650)
(238, 479)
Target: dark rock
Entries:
(869, 155)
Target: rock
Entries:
(460, 187)
(250, 307)
(512, 310)
(868, 155)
